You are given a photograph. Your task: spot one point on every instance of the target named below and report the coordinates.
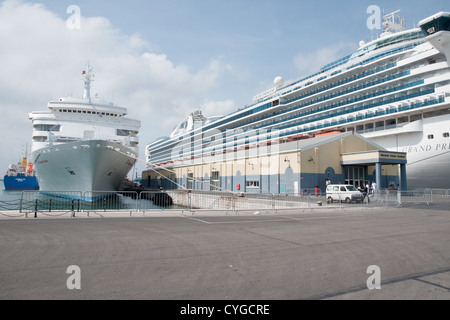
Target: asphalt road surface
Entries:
(213, 256)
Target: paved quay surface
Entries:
(288, 255)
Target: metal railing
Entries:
(193, 201)
(390, 198)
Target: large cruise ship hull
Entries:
(427, 145)
(394, 91)
(89, 170)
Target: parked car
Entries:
(343, 192)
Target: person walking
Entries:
(366, 193)
(374, 187)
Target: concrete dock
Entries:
(288, 255)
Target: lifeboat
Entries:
(30, 168)
(327, 133)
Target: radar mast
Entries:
(88, 78)
(393, 23)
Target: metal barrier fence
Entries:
(192, 200)
(390, 198)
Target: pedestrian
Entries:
(374, 187)
(366, 193)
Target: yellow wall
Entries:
(314, 160)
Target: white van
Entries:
(343, 192)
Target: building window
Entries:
(446, 135)
(430, 136)
(253, 184)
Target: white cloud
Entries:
(218, 108)
(311, 62)
(42, 60)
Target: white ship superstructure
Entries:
(394, 90)
(84, 145)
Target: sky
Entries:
(163, 60)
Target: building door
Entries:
(215, 181)
(355, 176)
(190, 181)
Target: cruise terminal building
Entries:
(291, 166)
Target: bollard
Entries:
(35, 208)
(50, 205)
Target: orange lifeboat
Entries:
(327, 133)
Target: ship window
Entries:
(431, 136)
(390, 123)
(436, 25)
(446, 135)
(379, 125)
(39, 139)
(72, 173)
(369, 127)
(123, 132)
(47, 127)
(403, 120)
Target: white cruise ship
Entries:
(394, 90)
(83, 148)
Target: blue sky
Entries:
(165, 59)
(261, 36)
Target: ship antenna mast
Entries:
(88, 78)
(392, 22)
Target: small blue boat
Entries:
(21, 176)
